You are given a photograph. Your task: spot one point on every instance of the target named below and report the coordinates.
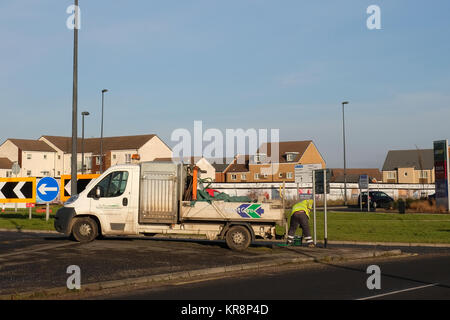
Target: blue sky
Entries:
(233, 64)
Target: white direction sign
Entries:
(304, 172)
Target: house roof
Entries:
(417, 159)
(92, 145)
(220, 164)
(239, 164)
(296, 147)
(352, 175)
(5, 163)
(32, 145)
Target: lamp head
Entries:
(104, 90)
(85, 113)
(345, 102)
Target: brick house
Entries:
(268, 165)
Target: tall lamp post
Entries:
(83, 114)
(73, 165)
(101, 134)
(345, 162)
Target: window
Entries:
(128, 158)
(113, 185)
(59, 157)
(29, 156)
(233, 177)
(59, 173)
(29, 173)
(256, 176)
(45, 173)
(244, 176)
(97, 161)
(9, 174)
(423, 174)
(392, 175)
(45, 157)
(290, 157)
(114, 157)
(289, 175)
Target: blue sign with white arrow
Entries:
(47, 189)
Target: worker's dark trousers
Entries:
(300, 218)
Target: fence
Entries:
(272, 190)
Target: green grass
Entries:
(343, 226)
(383, 227)
(20, 220)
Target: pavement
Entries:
(35, 264)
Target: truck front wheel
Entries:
(238, 238)
(84, 230)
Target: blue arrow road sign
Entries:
(47, 189)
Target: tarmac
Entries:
(211, 259)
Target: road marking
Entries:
(399, 291)
(37, 248)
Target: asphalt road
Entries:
(419, 277)
(33, 261)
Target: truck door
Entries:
(110, 201)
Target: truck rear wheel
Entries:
(84, 230)
(238, 238)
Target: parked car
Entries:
(378, 199)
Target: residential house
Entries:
(409, 166)
(5, 168)
(116, 150)
(272, 165)
(352, 175)
(35, 158)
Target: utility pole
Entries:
(345, 162)
(74, 159)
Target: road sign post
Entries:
(314, 206)
(363, 184)
(47, 191)
(441, 165)
(321, 185)
(326, 189)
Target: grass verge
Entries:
(383, 227)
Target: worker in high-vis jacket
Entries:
(300, 217)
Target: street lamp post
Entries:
(74, 159)
(83, 114)
(101, 135)
(345, 162)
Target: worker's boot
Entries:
(298, 241)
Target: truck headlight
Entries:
(71, 200)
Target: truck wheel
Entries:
(84, 230)
(238, 238)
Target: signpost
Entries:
(441, 165)
(304, 174)
(47, 191)
(364, 184)
(82, 181)
(321, 185)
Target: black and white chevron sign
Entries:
(17, 190)
(82, 181)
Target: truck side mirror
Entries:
(98, 192)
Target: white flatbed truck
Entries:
(161, 198)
